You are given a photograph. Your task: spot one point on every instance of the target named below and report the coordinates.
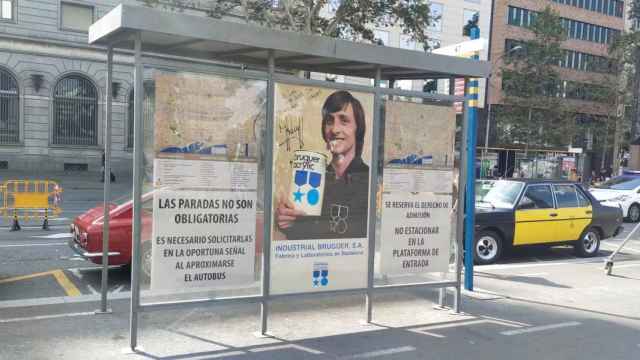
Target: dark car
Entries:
(533, 212)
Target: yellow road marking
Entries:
(66, 284)
(62, 279)
(25, 277)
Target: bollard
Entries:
(45, 224)
(16, 225)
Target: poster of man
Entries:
(322, 159)
(327, 197)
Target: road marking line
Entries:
(27, 245)
(66, 284)
(540, 328)
(598, 259)
(92, 290)
(513, 322)
(45, 317)
(385, 352)
(626, 248)
(54, 236)
(287, 346)
(7, 228)
(426, 330)
(25, 277)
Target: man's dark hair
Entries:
(338, 101)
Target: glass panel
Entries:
(537, 197)
(203, 158)
(566, 196)
(416, 193)
(583, 201)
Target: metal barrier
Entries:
(30, 199)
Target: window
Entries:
(7, 10)
(75, 112)
(435, 11)
(582, 199)
(537, 197)
(381, 36)
(9, 109)
(407, 43)
(467, 17)
(566, 196)
(148, 110)
(76, 17)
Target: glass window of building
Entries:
(75, 17)
(9, 109)
(381, 36)
(7, 10)
(75, 112)
(435, 11)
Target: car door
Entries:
(574, 212)
(536, 216)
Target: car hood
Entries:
(91, 215)
(607, 194)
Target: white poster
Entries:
(416, 232)
(417, 180)
(212, 174)
(203, 239)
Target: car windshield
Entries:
(621, 183)
(498, 193)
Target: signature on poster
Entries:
(293, 130)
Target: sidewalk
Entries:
(594, 317)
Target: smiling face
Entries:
(340, 131)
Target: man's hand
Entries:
(286, 213)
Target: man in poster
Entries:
(345, 205)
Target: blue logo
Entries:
(320, 275)
(303, 177)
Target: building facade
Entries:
(590, 27)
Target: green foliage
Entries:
(346, 19)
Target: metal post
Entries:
(472, 115)
(268, 198)
(138, 174)
(460, 218)
(373, 187)
(107, 185)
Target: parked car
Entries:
(86, 232)
(531, 212)
(621, 191)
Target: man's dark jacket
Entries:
(344, 208)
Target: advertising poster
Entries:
(416, 231)
(205, 204)
(417, 190)
(322, 155)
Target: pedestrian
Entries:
(102, 170)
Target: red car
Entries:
(87, 233)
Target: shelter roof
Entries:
(206, 38)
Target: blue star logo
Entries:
(298, 196)
(315, 283)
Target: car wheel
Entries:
(589, 244)
(633, 215)
(145, 262)
(487, 247)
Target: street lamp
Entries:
(486, 134)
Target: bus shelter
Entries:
(251, 183)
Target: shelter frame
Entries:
(122, 29)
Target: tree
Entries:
(346, 19)
(531, 86)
